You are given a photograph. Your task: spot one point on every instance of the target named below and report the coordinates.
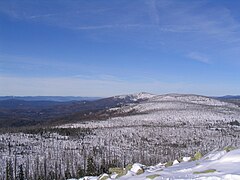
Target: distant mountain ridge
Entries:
(169, 109)
(230, 97)
(136, 96)
(235, 99)
(16, 112)
(49, 98)
(162, 108)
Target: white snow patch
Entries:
(136, 167)
(186, 159)
(175, 162)
(136, 97)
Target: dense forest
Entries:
(65, 153)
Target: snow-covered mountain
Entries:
(136, 97)
(169, 109)
(189, 98)
(179, 101)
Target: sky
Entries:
(104, 48)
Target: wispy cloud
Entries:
(102, 77)
(199, 57)
(164, 16)
(110, 26)
(153, 11)
(41, 16)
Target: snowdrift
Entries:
(215, 166)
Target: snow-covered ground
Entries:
(214, 166)
(136, 97)
(170, 109)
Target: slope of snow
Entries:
(214, 166)
(136, 97)
(189, 98)
(181, 101)
(170, 109)
(175, 102)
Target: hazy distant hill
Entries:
(23, 104)
(49, 98)
(230, 97)
(15, 112)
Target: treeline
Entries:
(44, 131)
(43, 172)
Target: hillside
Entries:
(171, 109)
(22, 113)
(139, 108)
(88, 138)
(215, 165)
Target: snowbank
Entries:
(214, 166)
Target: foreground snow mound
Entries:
(215, 166)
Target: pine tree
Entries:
(103, 167)
(9, 170)
(67, 174)
(80, 172)
(51, 175)
(67, 171)
(20, 173)
(91, 167)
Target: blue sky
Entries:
(104, 48)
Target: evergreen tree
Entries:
(80, 172)
(20, 173)
(51, 175)
(91, 167)
(103, 167)
(67, 171)
(67, 174)
(9, 170)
